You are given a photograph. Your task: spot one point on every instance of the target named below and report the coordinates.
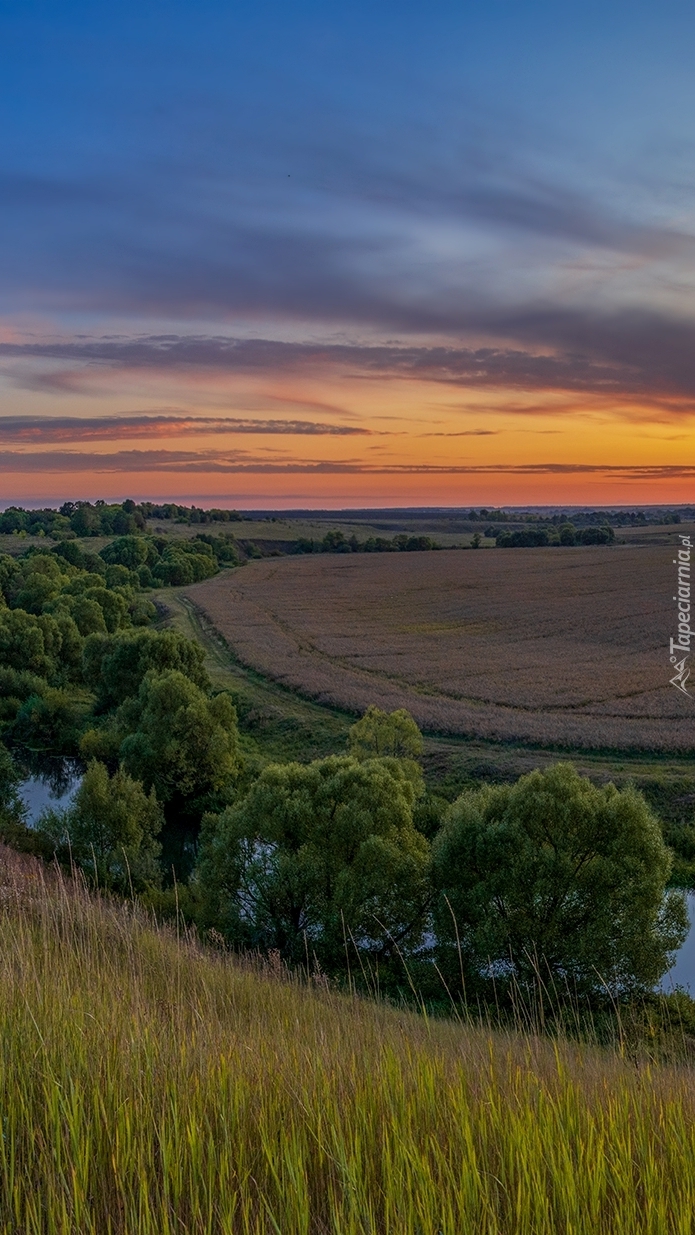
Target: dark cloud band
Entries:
(154, 461)
(46, 430)
(633, 355)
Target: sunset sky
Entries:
(297, 254)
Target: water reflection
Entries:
(683, 972)
(48, 782)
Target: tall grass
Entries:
(151, 1088)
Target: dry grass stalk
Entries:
(149, 1087)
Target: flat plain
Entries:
(558, 647)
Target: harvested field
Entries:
(558, 647)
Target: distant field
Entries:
(565, 647)
(284, 530)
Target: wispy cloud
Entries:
(358, 241)
(631, 353)
(183, 462)
(463, 433)
(53, 429)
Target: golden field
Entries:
(565, 647)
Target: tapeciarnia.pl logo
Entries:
(680, 647)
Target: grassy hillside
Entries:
(148, 1086)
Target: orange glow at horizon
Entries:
(407, 441)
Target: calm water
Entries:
(683, 972)
(53, 784)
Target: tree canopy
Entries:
(319, 858)
(110, 828)
(178, 740)
(115, 666)
(385, 733)
(558, 878)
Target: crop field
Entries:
(565, 648)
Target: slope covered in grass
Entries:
(148, 1086)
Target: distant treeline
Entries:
(337, 542)
(102, 519)
(567, 534)
(583, 518)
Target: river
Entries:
(54, 785)
(683, 972)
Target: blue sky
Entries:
(494, 196)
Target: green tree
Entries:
(385, 733)
(86, 521)
(29, 642)
(115, 666)
(113, 605)
(88, 616)
(129, 551)
(185, 745)
(41, 583)
(556, 876)
(50, 719)
(184, 563)
(70, 552)
(120, 576)
(111, 829)
(182, 743)
(71, 644)
(317, 857)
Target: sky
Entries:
(371, 254)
